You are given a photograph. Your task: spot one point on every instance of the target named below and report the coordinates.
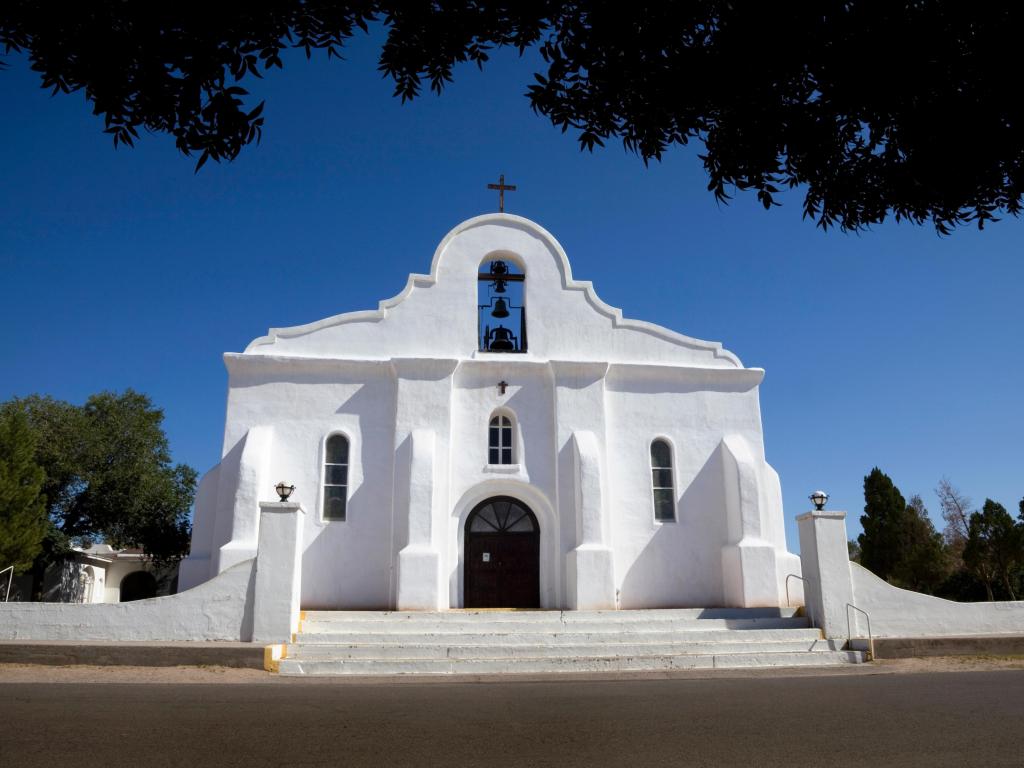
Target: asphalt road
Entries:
(954, 719)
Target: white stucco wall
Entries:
(899, 612)
(220, 609)
(835, 584)
(412, 366)
(673, 563)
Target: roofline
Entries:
(568, 283)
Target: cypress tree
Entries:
(900, 543)
(883, 519)
(23, 518)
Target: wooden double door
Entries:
(502, 556)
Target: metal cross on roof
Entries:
(501, 186)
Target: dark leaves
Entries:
(873, 110)
(174, 71)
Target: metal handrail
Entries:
(10, 578)
(849, 632)
(808, 579)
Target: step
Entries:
(555, 637)
(313, 652)
(565, 664)
(552, 642)
(646, 614)
(595, 626)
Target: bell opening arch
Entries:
(501, 303)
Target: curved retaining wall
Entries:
(899, 612)
(219, 609)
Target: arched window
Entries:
(499, 441)
(335, 477)
(662, 482)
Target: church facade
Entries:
(497, 436)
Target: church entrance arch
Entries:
(502, 557)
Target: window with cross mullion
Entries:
(499, 441)
(662, 482)
(335, 478)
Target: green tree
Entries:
(23, 521)
(899, 543)
(874, 109)
(995, 548)
(884, 511)
(925, 565)
(130, 494)
(108, 475)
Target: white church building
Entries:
(498, 436)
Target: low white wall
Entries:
(899, 612)
(219, 609)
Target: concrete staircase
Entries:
(542, 642)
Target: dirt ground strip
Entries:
(33, 673)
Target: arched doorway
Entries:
(502, 563)
(137, 585)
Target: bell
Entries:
(501, 339)
(499, 269)
(500, 309)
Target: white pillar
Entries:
(278, 572)
(591, 564)
(582, 487)
(750, 559)
(825, 562)
(253, 481)
(423, 398)
(419, 562)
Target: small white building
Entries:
(123, 575)
(98, 574)
(497, 436)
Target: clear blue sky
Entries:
(894, 347)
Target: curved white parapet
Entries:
(219, 609)
(896, 612)
(556, 301)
